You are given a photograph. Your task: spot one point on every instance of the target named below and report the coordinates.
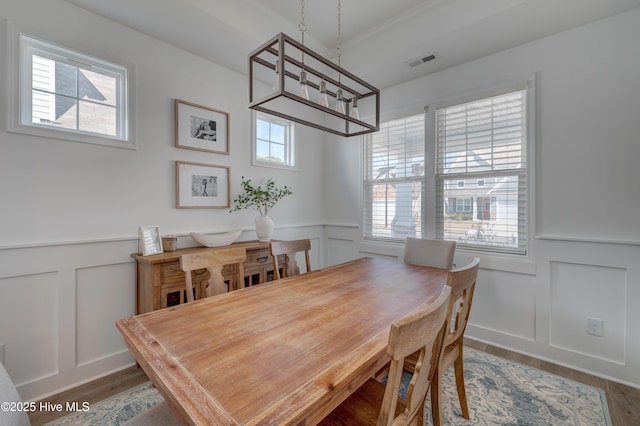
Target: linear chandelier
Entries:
(309, 89)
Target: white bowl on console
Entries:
(216, 240)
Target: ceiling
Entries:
(378, 37)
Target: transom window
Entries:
(70, 95)
(273, 142)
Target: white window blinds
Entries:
(481, 173)
(394, 179)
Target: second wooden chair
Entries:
(462, 281)
(289, 249)
(432, 253)
(373, 403)
(213, 261)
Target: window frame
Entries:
(290, 162)
(435, 216)
(369, 182)
(21, 45)
(431, 209)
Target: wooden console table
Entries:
(160, 281)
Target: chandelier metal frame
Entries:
(278, 57)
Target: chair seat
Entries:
(362, 407)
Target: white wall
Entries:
(586, 198)
(70, 211)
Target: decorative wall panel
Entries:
(582, 291)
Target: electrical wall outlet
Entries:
(595, 327)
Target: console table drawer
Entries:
(258, 258)
(171, 274)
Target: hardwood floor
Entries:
(623, 401)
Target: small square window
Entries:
(273, 144)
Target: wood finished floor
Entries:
(623, 401)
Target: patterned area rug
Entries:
(499, 392)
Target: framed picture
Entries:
(201, 128)
(150, 240)
(202, 186)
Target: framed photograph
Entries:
(201, 128)
(202, 186)
(150, 240)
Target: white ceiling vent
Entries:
(420, 61)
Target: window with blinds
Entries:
(394, 180)
(481, 173)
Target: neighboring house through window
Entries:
(483, 141)
(69, 95)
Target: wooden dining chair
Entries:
(462, 282)
(374, 403)
(425, 252)
(289, 249)
(213, 261)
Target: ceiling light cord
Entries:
(339, 48)
(340, 105)
(304, 91)
(301, 25)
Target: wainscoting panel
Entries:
(339, 251)
(104, 294)
(341, 243)
(58, 306)
(29, 325)
(504, 302)
(579, 292)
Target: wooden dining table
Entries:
(281, 353)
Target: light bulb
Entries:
(323, 100)
(354, 109)
(340, 104)
(304, 91)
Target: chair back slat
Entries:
(213, 261)
(462, 282)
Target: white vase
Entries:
(264, 228)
